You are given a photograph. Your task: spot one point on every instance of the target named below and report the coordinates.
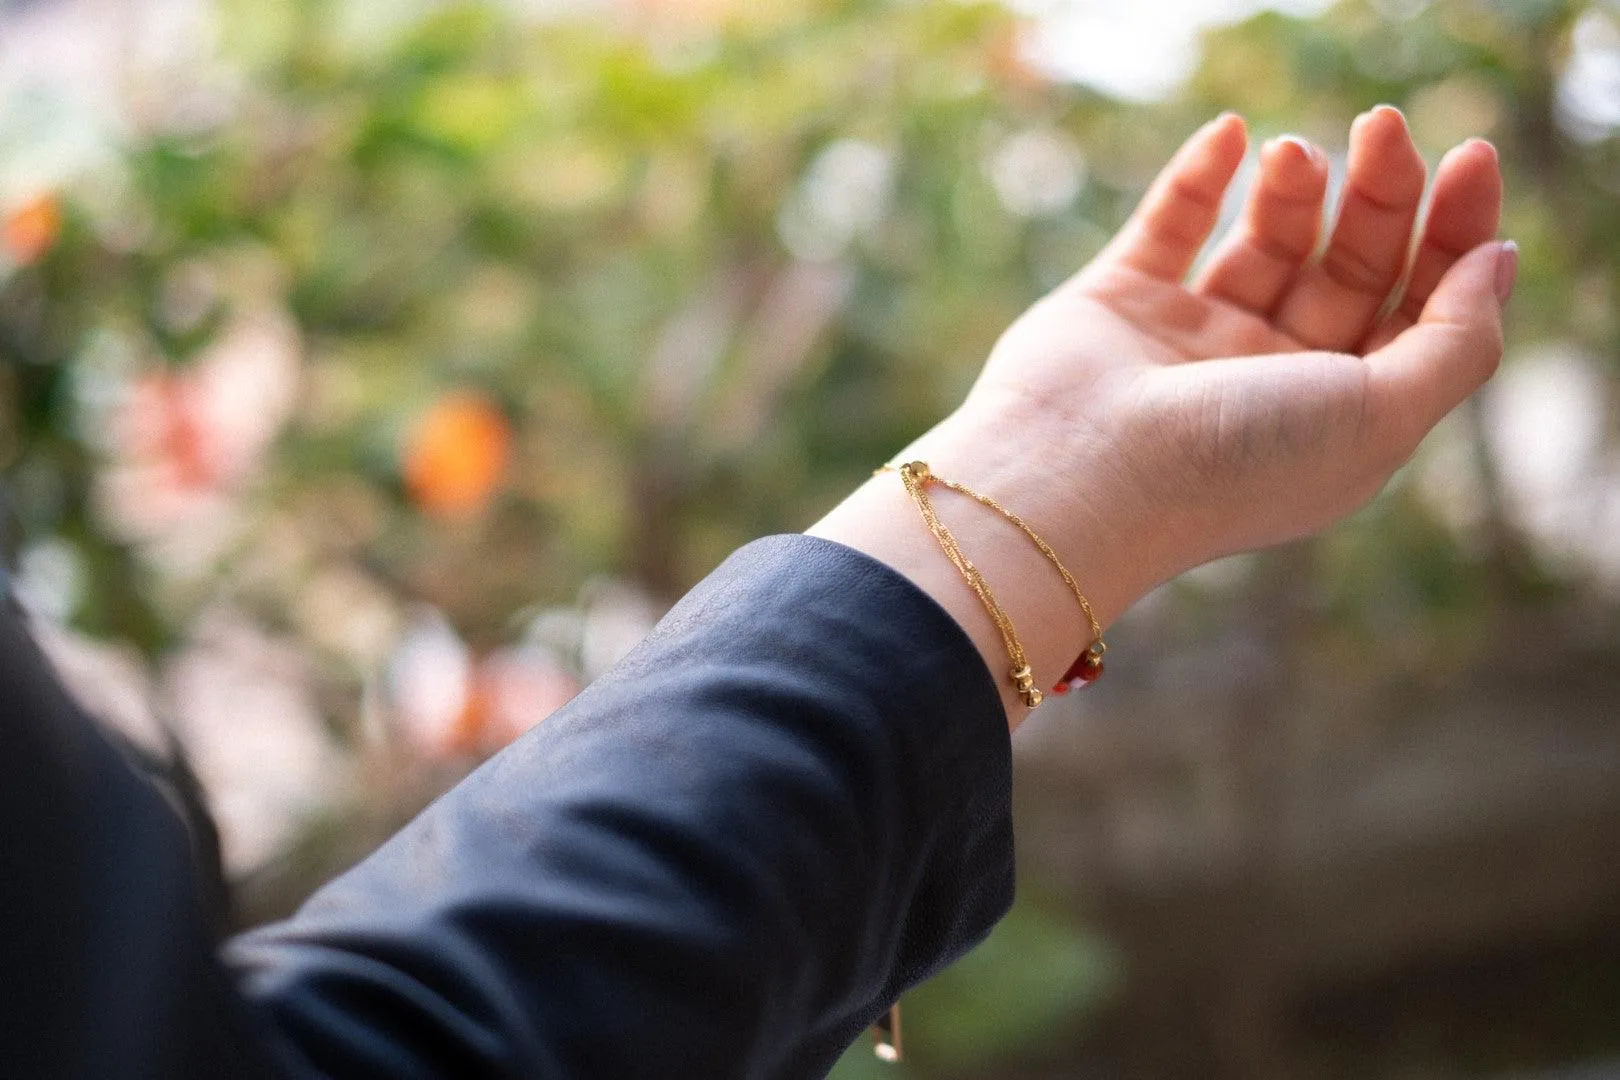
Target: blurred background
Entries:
(373, 374)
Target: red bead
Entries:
(1083, 672)
(1061, 688)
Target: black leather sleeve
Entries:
(724, 859)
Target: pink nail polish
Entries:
(1507, 271)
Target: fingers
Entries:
(1332, 303)
(1465, 211)
(1278, 233)
(1453, 348)
(1165, 234)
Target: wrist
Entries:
(1111, 569)
(1089, 513)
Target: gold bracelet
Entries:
(916, 477)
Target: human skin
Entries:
(1144, 423)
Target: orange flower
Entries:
(456, 454)
(466, 734)
(168, 422)
(31, 229)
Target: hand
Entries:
(1147, 424)
(1267, 398)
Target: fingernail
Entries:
(1305, 146)
(1467, 147)
(1507, 271)
(1386, 108)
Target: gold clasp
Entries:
(919, 471)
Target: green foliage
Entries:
(583, 223)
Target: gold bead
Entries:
(1032, 696)
(919, 470)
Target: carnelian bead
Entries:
(1085, 670)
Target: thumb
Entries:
(1456, 344)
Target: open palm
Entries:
(1280, 388)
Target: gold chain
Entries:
(916, 477)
